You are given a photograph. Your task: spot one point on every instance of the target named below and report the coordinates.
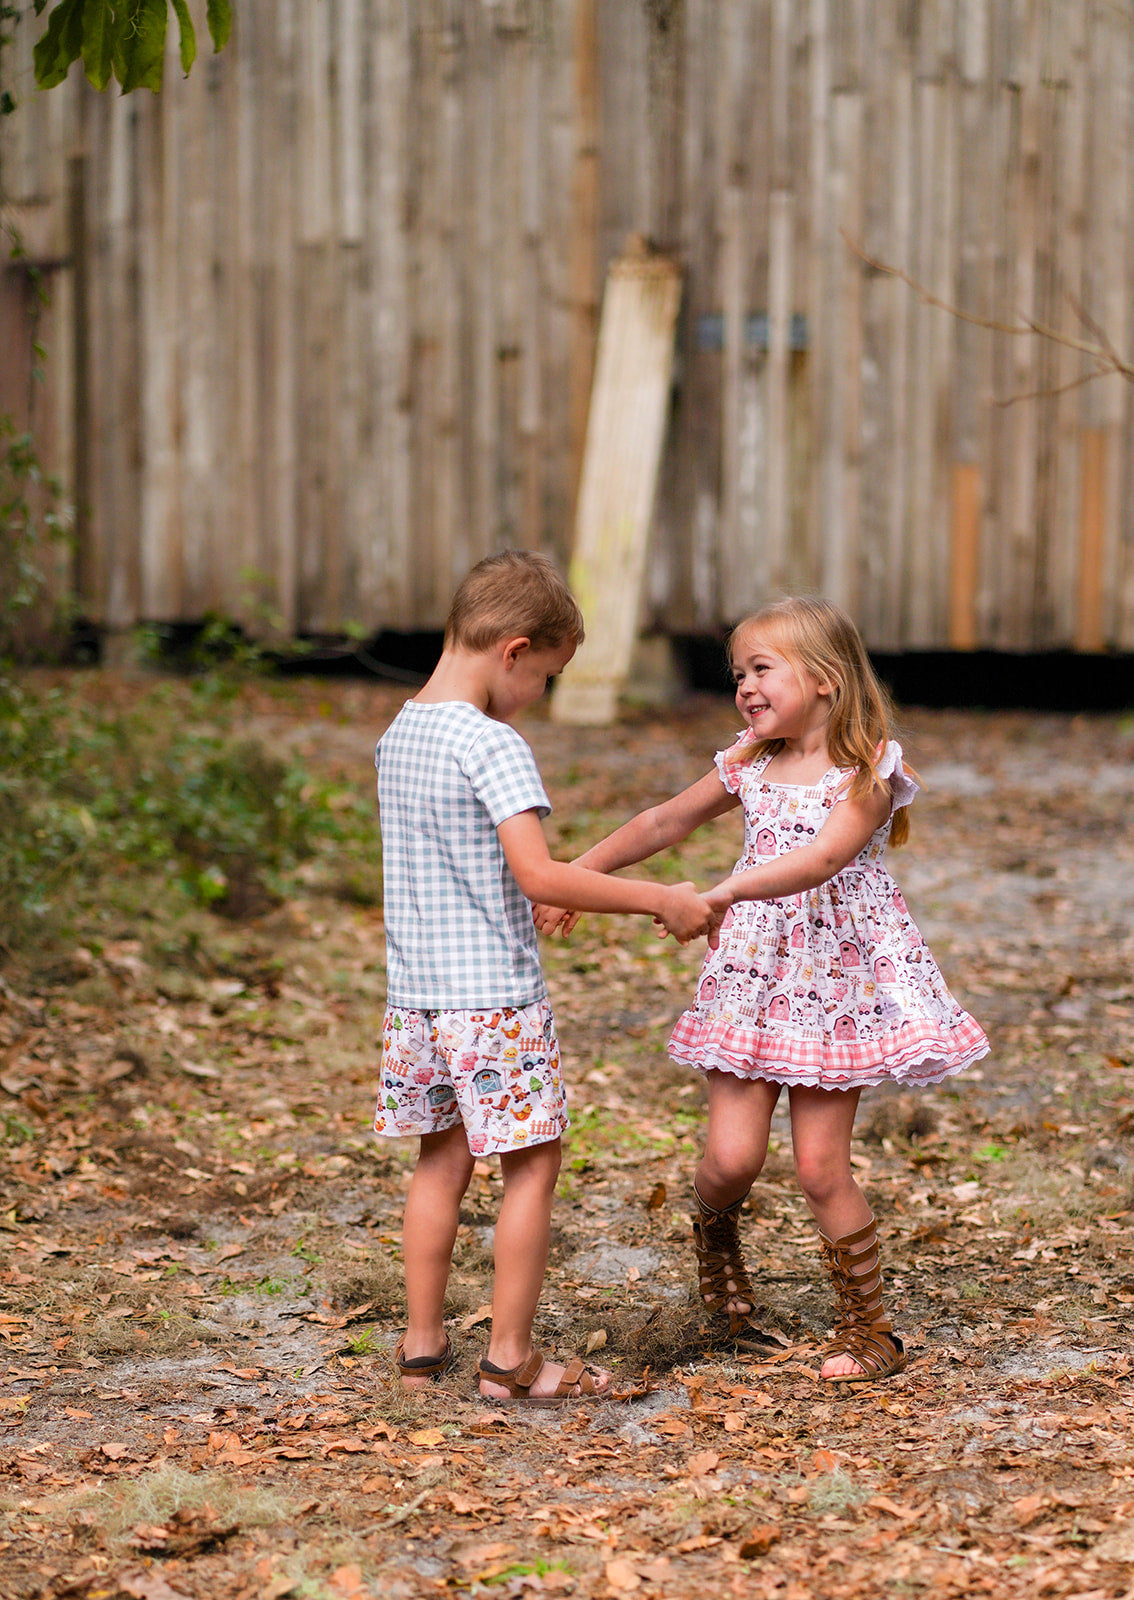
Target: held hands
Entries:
(553, 919)
(719, 901)
(684, 913)
(687, 914)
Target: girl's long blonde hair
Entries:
(818, 638)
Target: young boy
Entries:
(470, 1059)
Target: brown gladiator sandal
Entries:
(720, 1264)
(863, 1330)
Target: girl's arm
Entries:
(840, 839)
(658, 827)
(684, 913)
(644, 835)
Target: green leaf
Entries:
(218, 13)
(140, 54)
(61, 44)
(100, 31)
(188, 34)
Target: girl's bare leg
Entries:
(523, 1234)
(736, 1143)
(429, 1231)
(822, 1121)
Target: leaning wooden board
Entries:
(625, 432)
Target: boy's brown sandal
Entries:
(433, 1367)
(720, 1263)
(863, 1330)
(518, 1382)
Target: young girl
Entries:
(819, 980)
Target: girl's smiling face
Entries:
(774, 695)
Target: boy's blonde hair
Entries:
(513, 594)
(818, 638)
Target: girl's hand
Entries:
(550, 920)
(720, 900)
(686, 913)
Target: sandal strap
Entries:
(423, 1366)
(879, 1352)
(722, 1273)
(514, 1378)
(577, 1372)
(862, 1330)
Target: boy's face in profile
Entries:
(523, 673)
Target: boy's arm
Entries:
(679, 907)
(643, 836)
(840, 839)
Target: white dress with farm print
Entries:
(835, 987)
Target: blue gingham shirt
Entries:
(459, 931)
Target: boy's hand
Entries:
(686, 913)
(552, 919)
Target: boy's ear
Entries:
(514, 649)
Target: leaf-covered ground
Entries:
(200, 1276)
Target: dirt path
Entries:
(201, 1283)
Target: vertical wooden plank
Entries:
(236, 76)
(781, 240)
(734, 304)
(1073, 113)
(444, 245)
(278, 359)
(970, 427)
(1018, 541)
(117, 354)
(1113, 127)
(698, 601)
(348, 56)
(667, 116)
(835, 311)
(1122, 582)
(531, 426)
(318, 548)
(366, 578)
(964, 554)
(556, 95)
(820, 533)
(878, 302)
(584, 247)
(508, 203)
(1090, 628)
(389, 235)
(161, 528)
(484, 417)
(926, 545)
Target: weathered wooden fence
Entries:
(324, 314)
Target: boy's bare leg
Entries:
(523, 1235)
(429, 1231)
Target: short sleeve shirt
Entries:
(459, 930)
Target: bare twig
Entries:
(1101, 349)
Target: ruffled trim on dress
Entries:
(917, 1052)
(728, 767)
(889, 768)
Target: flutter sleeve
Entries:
(730, 763)
(889, 768)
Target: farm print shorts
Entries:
(497, 1071)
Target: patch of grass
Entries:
(836, 1493)
(176, 793)
(153, 1497)
(525, 1569)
